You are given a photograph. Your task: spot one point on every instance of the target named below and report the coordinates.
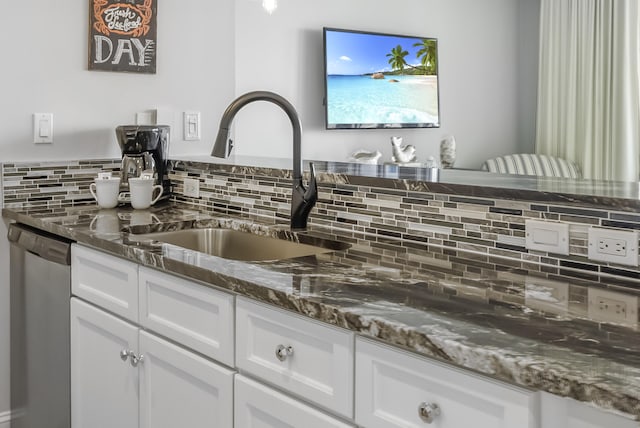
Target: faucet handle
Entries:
(312, 174)
(312, 187)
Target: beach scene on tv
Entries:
(377, 80)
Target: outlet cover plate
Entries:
(549, 236)
(192, 187)
(613, 245)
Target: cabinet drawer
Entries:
(319, 366)
(391, 385)
(256, 405)
(192, 314)
(107, 281)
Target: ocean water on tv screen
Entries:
(360, 99)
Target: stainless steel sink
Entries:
(236, 245)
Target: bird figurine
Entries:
(402, 154)
(365, 156)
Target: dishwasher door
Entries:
(40, 289)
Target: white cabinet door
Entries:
(192, 314)
(559, 412)
(258, 406)
(393, 386)
(307, 358)
(104, 387)
(107, 281)
(181, 389)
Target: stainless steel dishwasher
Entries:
(40, 288)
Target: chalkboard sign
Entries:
(122, 35)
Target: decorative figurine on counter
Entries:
(402, 154)
(448, 152)
(365, 156)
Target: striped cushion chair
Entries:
(530, 164)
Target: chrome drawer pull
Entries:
(282, 352)
(136, 359)
(428, 411)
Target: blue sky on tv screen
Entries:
(359, 53)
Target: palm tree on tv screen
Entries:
(396, 58)
(428, 54)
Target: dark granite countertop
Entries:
(530, 331)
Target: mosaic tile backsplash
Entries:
(403, 227)
(51, 185)
(406, 227)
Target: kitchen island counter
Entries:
(517, 327)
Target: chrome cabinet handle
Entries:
(428, 411)
(136, 359)
(282, 352)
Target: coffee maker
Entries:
(144, 149)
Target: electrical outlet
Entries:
(191, 187)
(612, 245)
(609, 306)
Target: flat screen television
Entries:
(376, 80)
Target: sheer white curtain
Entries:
(589, 86)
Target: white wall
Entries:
(43, 44)
(480, 47)
(44, 69)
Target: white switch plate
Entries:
(192, 187)
(191, 125)
(549, 236)
(612, 245)
(43, 128)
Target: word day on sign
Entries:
(122, 35)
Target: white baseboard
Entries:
(5, 419)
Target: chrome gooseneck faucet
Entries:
(302, 200)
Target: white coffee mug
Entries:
(106, 192)
(142, 190)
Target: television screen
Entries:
(375, 80)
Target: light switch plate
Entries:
(191, 125)
(43, 128)
(548, 236)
